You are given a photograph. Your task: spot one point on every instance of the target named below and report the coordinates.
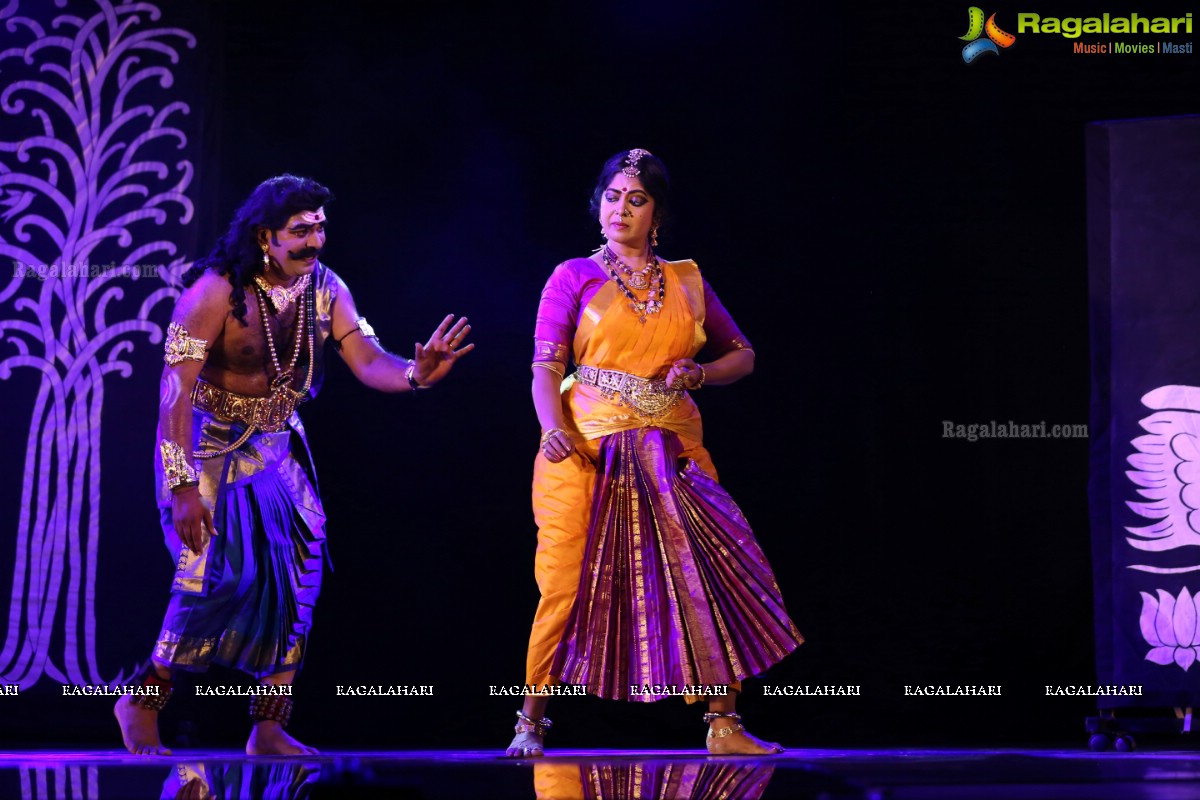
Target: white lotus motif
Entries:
(1166, 470)
(1169, 626)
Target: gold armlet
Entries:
(176, 470)
(360, 326)
(180, 346)
(365, 328)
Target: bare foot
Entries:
(268, 738)
(139, 728)
(526, 744)
(739, 742)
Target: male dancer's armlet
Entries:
(181, 346)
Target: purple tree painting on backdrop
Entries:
(91, 167)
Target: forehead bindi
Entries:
(626, 185)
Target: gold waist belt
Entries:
(268, 414)
(650, 398)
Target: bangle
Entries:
(412, 378)
(548, 435)
(176, 470)
(702, 376)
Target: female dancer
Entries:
(651, 581)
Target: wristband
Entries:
(410, 376)
(176, 470)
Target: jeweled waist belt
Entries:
(649, 397)
(268, 414)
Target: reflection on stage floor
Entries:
(609, 774)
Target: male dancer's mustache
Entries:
(305, 254)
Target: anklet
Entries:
(721, 733)
(154, 702)
(271, 707)
(728, 730)
(531, 725)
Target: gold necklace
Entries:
(638, 280)
(282, 296)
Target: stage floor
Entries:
(570, 774)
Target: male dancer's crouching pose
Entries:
(238, 497)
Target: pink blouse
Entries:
(574, 283)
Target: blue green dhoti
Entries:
(246, 600)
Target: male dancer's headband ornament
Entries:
(635, 155)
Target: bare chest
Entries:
(268, 345)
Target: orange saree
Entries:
(649, 575)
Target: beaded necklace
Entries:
(657, 285)
(638, 280)
(283, 398)
(283, 378)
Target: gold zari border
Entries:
(549, 351)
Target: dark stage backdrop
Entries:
(901, 233)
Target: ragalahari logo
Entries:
(976, 27)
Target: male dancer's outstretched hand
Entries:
(436, 358)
